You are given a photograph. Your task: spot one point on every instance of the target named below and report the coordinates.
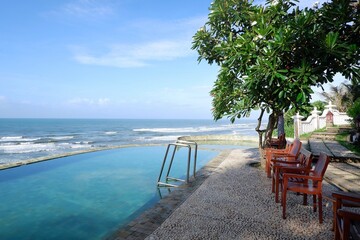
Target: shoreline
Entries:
(202, 139)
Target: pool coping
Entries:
(152, 218)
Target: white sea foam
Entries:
(61, 138)
(27, 148)
(17, 139)
(159, 138)
(84, 142)
(76, 146)
(110, 133)
(196, 129)
(180, 130)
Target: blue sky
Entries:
(103, 59)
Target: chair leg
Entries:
(314, 202)
(269, 171)
(305, 199)
(284, 203)
(334, 218)
(320, 208)
(267, 166)
(281, 187)
(337, 232)
(277, 187)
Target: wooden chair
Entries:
(291, 155)
(311, 184)
(347, 223)
(278, 143)
(269, 151)
(302, 166)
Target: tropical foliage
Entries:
(343, 96)
(270, 56)
(354, 110)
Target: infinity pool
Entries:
(84, 196)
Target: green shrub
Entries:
(354, 110)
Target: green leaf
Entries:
(331, 39)
(282, 77)
(299, 97)
(281, 94)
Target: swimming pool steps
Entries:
(175, 146)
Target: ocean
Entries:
(24, 139)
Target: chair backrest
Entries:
(295, 150)
(289, 146)
(282, 141)
(321, 165)
(305, 158)
(347, 222)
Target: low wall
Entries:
(316, 121)
(221, 138)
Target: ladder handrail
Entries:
(195, 154)
(178, 143)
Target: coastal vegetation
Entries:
(270, 56)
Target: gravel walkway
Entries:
(236, 202)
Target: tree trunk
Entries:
(270, 127)
(281, 124)
(259, 131)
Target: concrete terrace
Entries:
(231, 199)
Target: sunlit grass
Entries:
(342, 139)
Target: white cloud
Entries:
(176, 44)
(85, 8)
(125, 56)
(89, 102)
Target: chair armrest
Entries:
(353, 197)
(298, 170)
(348, 214)
(275, 150)
(288, 157)
(291, 175)
(281, 153)
(276, 161)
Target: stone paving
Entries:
(331, 148)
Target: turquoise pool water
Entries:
(83, 196)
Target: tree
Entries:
(340, 96)
(343, 96)
(271, 55)
(354, 91)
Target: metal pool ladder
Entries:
(176, 145)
